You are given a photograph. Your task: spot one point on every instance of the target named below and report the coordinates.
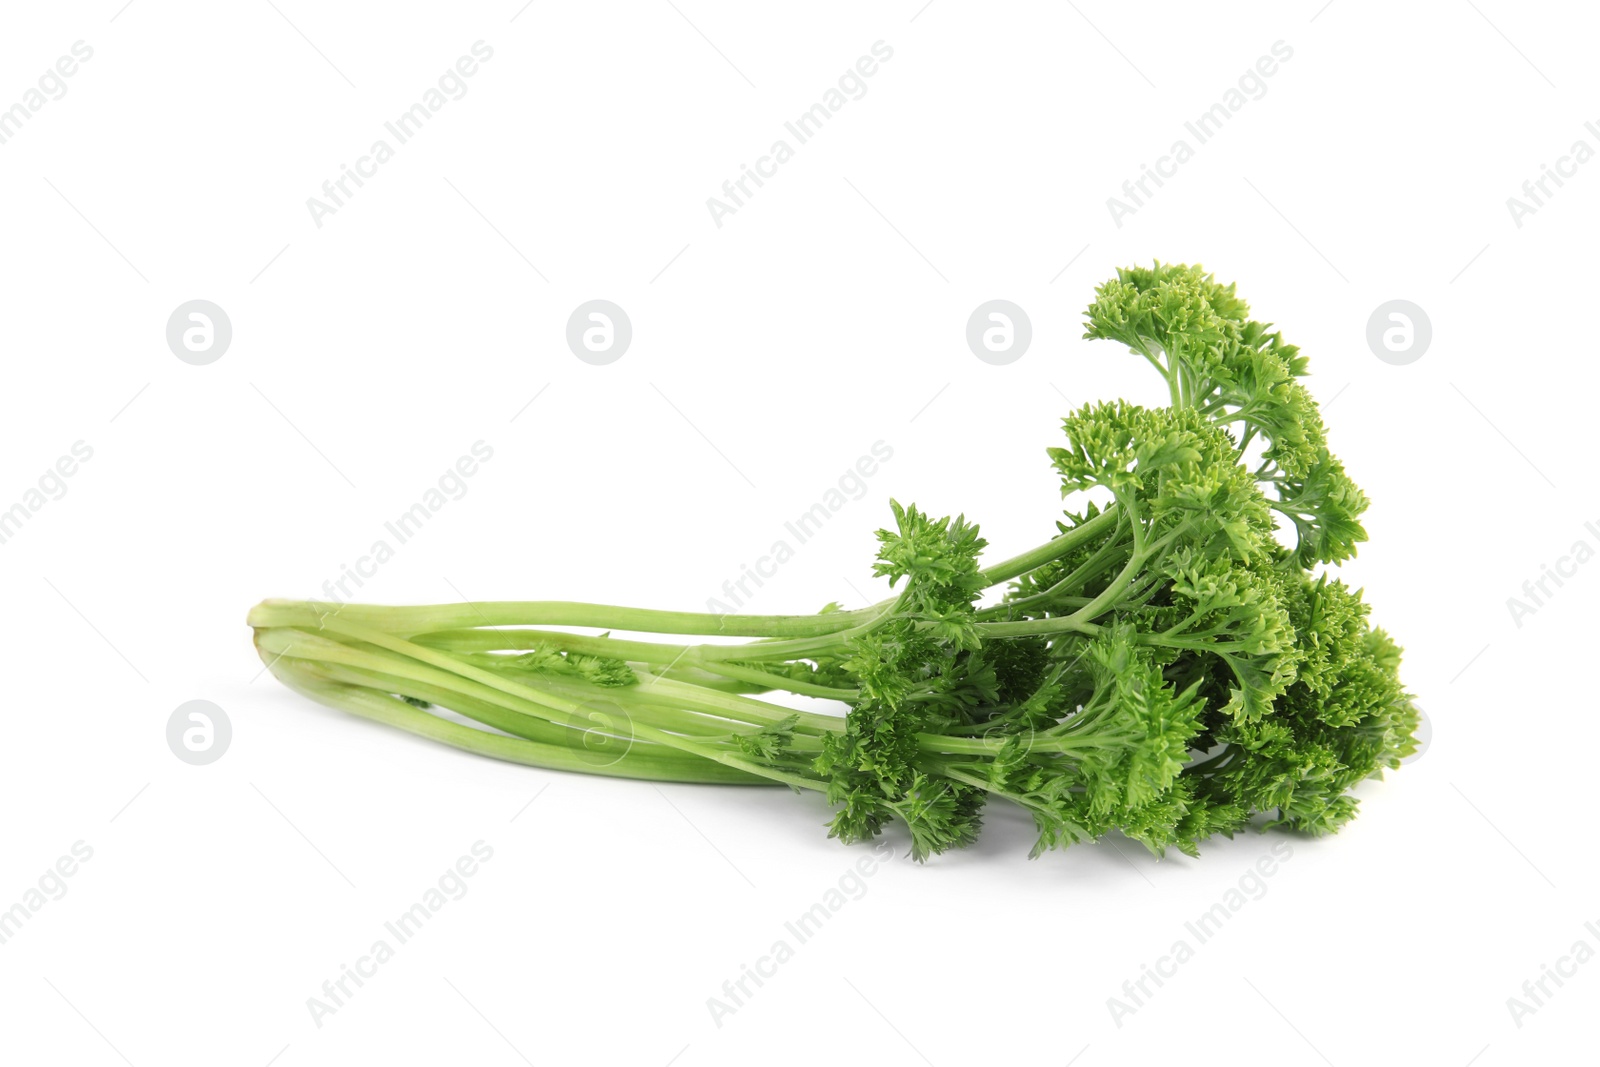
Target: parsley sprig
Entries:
(1176, 661)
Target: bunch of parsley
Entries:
(1172, 664)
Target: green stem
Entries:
(1052, 549)
(393, 711)
(409, 621)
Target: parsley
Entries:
(1175, 662)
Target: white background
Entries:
(768, 354)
